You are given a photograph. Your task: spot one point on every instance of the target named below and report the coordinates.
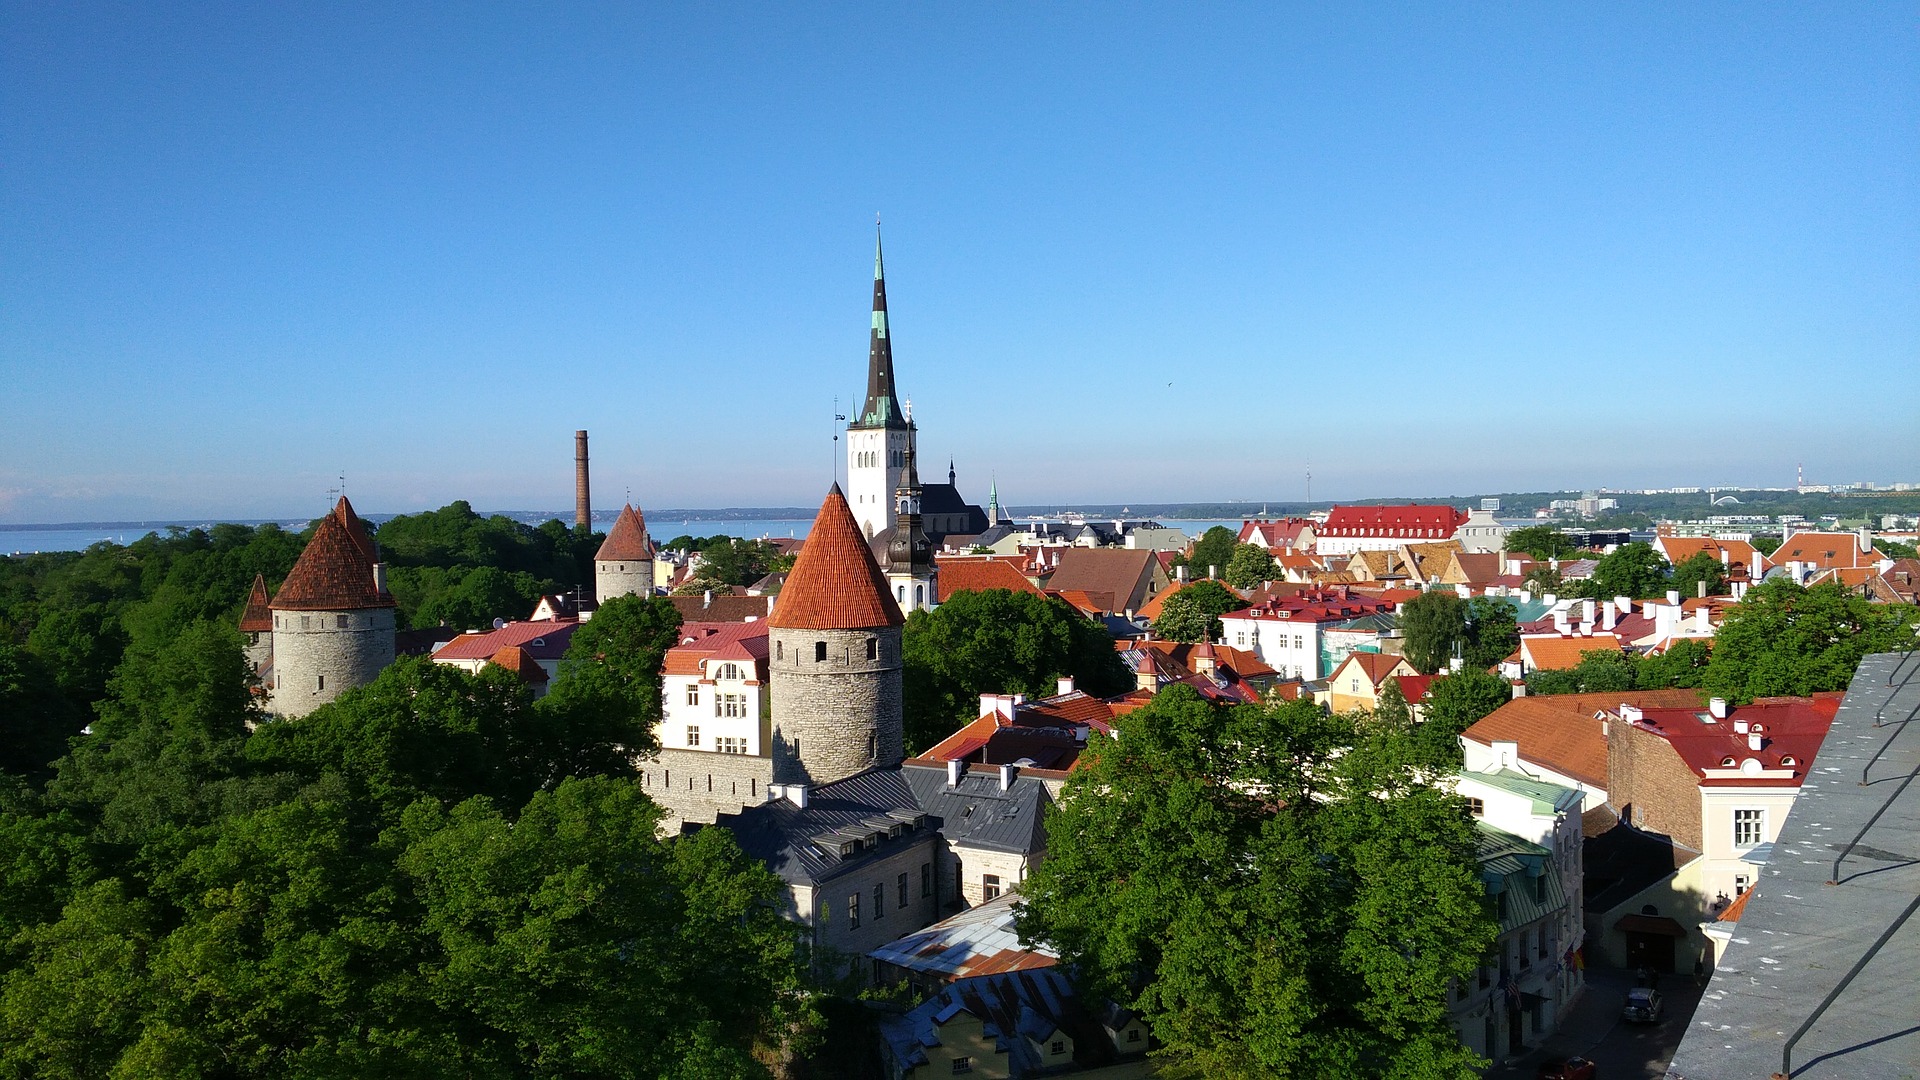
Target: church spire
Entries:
(882, 409)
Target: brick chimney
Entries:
(582, 506)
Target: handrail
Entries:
(1786, 1052)
(1897, 665)
(1864, 829)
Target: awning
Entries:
(1650, 924)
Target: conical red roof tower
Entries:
(627, 540)
(257, 619)
(835, 584)
(335, 572)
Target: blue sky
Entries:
(1135, 253)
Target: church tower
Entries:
(835, 666)
(909, 562)
(624, 564)
(878, 437)
(333, 618)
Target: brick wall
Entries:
(1650, 787)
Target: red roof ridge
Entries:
(335, 572)
(835, 584)
(627, 540)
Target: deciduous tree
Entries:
(1249, 566)
(1785, 639)
(1434, 622)
(1193, 613)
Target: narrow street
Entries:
(1593, 1029)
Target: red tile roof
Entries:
(1791, 728)
(335, 572)
(1281, 533)
(1122, 574)
(1414, 687)
(546, 640)
(1315, 605)
(1375, 666)
(520, 662)
(980, 573)
(1555, 653)
(744, 641)
(627, 540)
(835, 584)
(1404, 522)
(1826, 551)
(257, 618)
(1561, 731)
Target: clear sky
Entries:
(1135, 252)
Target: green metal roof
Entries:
(1547, 798)
(1510, 868)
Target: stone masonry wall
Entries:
(694, 785)
(611, 579)
(311, 646)
(1650, 787)
(836, 717)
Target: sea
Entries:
(28, 539)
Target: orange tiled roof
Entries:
(979, 574)
(1825, 551)
(335, 572)
(1555, 653)
(835, 584)
(257, 617)
(1376, 666)
(1560, 731)
(627, 540)
(520, 662)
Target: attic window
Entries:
(1727, 763)
(1788, 759)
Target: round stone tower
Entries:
(333, 618)
(256, 627)
(834, 638)
(624, 564)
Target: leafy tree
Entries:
(1493, 632)
(1605, 671)
(81, 646)
(1434, 622)
(1193, 613)
(1767, 545)
(1249, 566)
(607, 694)
(1635, 570)
(36, 719)
(1565, 681)
(1785, 639)
(1212, 552)
(997, 641)
(1239, 877)
(1684, 664)
(1894, 549)
(1458, 701)
(1543, 542)
(1542, 580)
(1689, 573)
(727, 561)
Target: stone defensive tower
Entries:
(624, 564)
(256, 626)
(333, 618)
(835, 658)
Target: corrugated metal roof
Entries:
(1516, 868)
(978, 941)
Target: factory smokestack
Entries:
(582, 505)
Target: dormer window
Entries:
(1788, 759)
(1727, 763)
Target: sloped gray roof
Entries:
(789, 839)
(978, 813)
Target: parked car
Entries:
(1573, 1068)
(1644, 1005)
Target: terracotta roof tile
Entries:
(520, 662)
(627, 540)
(835, 584)
(257, 617)
(1560, 731)
(1555, 653)
(335, 572)
(979, 574)
(1411, 522)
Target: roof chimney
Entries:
(379, 577)
(1506, 753)
(797, 795)
(1673, 597)
(1700, 589)
(955, 770)
(1606, 615)
(582, 510)
(1064, 685)
(1755, 740)
(1718, 708)
(1006, 777)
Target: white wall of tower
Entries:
(620, 578)
(876, 465)
(319, 655)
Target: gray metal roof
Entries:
(1799, 936)
(795, 844)
(978, 813)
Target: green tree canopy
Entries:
(1493, 632)
(1785, 639)
(36, 718)
(1212, 552)
(1690, 572)
(1635, 570)
(1456, 702)
(1434, 622)
(997, 641)
(1193, 613)
(1240, 878)
(1543, 542)
(1249, 566)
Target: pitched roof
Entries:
(1551, 652)
(627, 540)
(978, 941)
(335, 572)
(518, 660)
(722, 607)
(1407, 522)
(835, 584)
(1561, 731)
(979, 573)
(1376, 666)
(1121, 573)
(257, 618)
(1791, 731)
(977, 813)
(543, 640)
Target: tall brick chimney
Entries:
(582, 506)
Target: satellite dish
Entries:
(498, 623)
